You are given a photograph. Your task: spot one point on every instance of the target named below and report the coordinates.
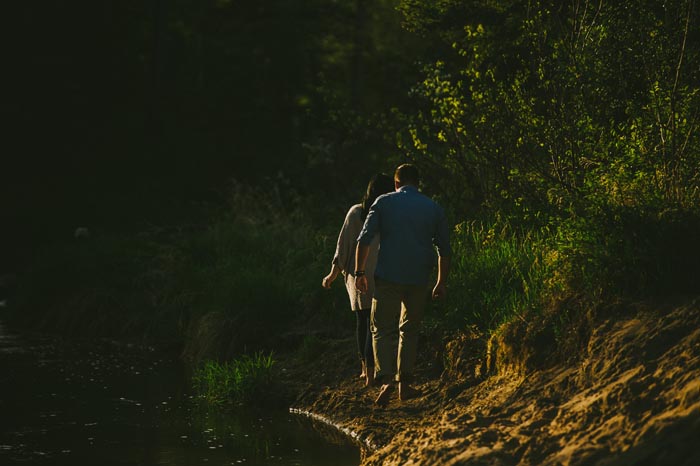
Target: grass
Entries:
(96, 286)
(239, 380)
(497, 274)
(257, 269)
(233, 287)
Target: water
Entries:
(103, 404)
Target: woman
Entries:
(344, 261)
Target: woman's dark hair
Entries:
(378, 185)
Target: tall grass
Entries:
(633, 251)
(107, 285)
(239, 380)
(239, 284)
(229, 286)
(501, 273)
(498, 274)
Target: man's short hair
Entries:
(407, 174)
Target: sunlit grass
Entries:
(238, 380)
(497, 274)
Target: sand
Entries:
(630, 396)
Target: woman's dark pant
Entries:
(364, 337)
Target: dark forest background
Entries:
(212, 148)
(133, 112)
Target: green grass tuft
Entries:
(239, 380)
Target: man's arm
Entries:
(442, 241)
(440, 290)
(361, 254)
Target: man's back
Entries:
(409, 224)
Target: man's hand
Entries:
(440, 290)
(361, 284)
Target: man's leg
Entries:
(412, 310)
(386, 306)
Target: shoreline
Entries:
(353, 435)
(633, 397)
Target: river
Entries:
(100, 403)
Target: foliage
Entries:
(146, 109)
(578, 105)
(310, 347)
(562, 137)
(245, 267)
(96, 286)
(630, 252)
(498, 274)
(575, 124)
(239, 380)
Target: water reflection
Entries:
(79, 404)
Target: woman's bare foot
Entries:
(369, 378)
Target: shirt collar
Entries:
(407, 188)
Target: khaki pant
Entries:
(396, 305)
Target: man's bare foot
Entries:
(363, 374)
(407, 392)
(384, 393)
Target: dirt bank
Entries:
(632, 397)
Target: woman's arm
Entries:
(332, 275)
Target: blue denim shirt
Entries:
(410, 226)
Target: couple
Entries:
(386, 250)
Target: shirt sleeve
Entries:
(371, 226)
(442, 234)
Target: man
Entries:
(410, 225)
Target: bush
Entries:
(258, 266)
(106, 286)
(632, 251)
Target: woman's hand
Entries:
(327, 280)
(330, 278)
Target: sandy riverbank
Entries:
(632, 397)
